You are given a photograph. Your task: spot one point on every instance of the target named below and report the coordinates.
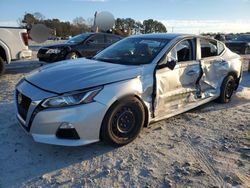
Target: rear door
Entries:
(214, 67)
(177, 88)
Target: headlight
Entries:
(53, 51)
(72, 99)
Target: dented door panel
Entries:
(176, 88)
(214, 71)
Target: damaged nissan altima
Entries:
(136, 81)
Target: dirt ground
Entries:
(206, 147)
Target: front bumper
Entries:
(44, 124)
(50, 57)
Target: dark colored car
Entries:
(240, 44)
(83, 45)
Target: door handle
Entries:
(191, 73)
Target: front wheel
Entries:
(2, 66)
(227, 89)
(123, 121)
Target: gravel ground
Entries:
(205, 147)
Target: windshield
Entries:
(243, 38)
(77, 39)
(132, 51)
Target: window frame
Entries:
(193, 44)
(224, 48)
(217, 46)
(93, 36)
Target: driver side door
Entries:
(93, 45)
(177, 88)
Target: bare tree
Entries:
(39, 16)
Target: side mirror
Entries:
(171, 64)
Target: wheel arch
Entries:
(5, 52)
(146, 121)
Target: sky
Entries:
(183, 16)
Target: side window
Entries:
(221, 47)
(111, 39)
(182, 51)
(97, 39)
(208, 48)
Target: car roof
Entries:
(168, 36)
(100, 33)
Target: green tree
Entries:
(153, 26)
(28, 20)
(139, 28)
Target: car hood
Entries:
(71, 75)
(53, 46)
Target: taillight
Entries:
(25, 38)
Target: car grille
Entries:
(23, 104)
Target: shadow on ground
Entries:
(23, 66)
(19, 154)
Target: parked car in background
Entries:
(230, 37)
(240, 44)
(220, 37)
(136, 81)
(83, 45)
(13, 45)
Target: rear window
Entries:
(208, 48)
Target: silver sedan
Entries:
(136, 81)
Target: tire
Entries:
(123, 122)
(2, 66)
(227, 89)
(72, 55)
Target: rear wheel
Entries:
(227, 89)
(123, 121)
(71, 55)
(2, 66)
